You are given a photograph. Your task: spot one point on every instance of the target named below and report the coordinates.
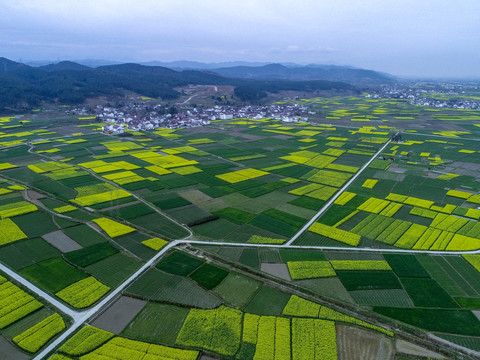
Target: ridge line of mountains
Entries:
(23, 87)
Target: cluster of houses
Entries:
(441, 95)
(185, 116)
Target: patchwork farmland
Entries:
(246, 239)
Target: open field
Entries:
(94, 202)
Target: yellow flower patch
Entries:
(4, 166)
(320, 161)
(327, 177)
(305, 189)
(463, 243)
(473, 213)
(369, 183)
(158, 170)
(474, 260)
(179, 150)
(310, 269)
(334, 152)
(165, 161)
(17, 208)
(374, 205)
(113, 228)
(459, 194)
(418, 202)
(423, 212)
(121, 145)
(335, 234)
(391, 209)
(14, 303)
(344, 198)
(360, 265)
(346, 168)
(96, 194)
(83, 293)
(17, 187)
(84, 341)
(324, 193)
(411, 236)
(290, 180)
(38, 335)
(224, 333)
(122, 348)
(298, 306)
(447, 176)
(104, 168)
(64, 209)
(446, 209)
(155, 243)
(250, 328)
(186, 170)
(200, 141)
(241, 175)
(427, 239)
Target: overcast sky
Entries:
(428, 38)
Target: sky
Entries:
(416, 38)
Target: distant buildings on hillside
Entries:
(137, 117)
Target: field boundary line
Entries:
(335, 197)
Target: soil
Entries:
(278, 270)
(119, 315)
(9, 352)
(61, 241)
(33, 195)
(356, 343)
(195, 196)
(408, 348)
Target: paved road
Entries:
(145, 202)
(335, 197)
(74, 314)
(80, 317)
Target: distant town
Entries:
(138, 114)
(439, 95)
(138, 117)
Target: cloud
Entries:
(422, 35)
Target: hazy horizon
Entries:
(428, 39)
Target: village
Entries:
(139, 116)
(438, 95)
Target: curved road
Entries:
(80, 317)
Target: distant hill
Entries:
(24, 87)
(9, 65)
(64, 65)
(195, 65)
(307, 73)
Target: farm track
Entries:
(81, 317)
(335, 197)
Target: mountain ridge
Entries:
(23, 86)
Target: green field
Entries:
(157, 323)
(208, 276)
(179, 263)
(53, 275)
(213, 188)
